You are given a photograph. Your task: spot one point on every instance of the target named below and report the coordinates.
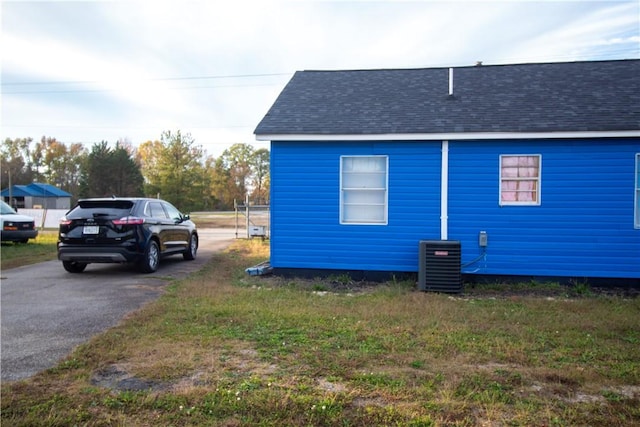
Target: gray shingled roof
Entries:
(553, 97)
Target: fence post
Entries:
(246, 206)
(235, 208)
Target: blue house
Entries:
(36, 195)
(534, 169)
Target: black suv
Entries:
(124, 230)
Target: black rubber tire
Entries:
(151, 258)
(192, 249)
(74, 267)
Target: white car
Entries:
(16, 227)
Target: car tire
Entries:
(192, 249)
(74, 267)
(151, 258)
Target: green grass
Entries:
(223, 348)
(42, 248)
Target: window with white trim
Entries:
(520, 179)
(363, 189)
(637, 205)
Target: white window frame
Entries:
(536, 180)
(344, 191)
(636, 223)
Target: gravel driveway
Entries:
(46, 311)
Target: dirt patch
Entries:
(364, 402)
(117, 378)
(123, 377)
(550, 292)
(319, 286)
(343, 284)
(331, 386)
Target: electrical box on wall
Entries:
(483, 239)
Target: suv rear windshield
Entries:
(91, 208)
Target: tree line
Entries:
(173, 168)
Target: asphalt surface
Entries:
(46, 312)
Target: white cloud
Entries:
(582, 37)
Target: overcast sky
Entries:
(107, 70)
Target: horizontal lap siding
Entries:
(583, 227)
(305, 203)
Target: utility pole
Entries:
(10, 191)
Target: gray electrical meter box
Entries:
(482, 239)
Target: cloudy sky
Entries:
(107, 70)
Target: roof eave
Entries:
(449, 136)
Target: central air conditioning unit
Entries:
(440, 266)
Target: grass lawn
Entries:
(42, 248)
(221, 348)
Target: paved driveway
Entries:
(46, 311)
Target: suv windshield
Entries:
(6, 209)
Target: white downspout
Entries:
(444, 179)
(444, 192)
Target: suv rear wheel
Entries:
(151, 258)
(74, 267)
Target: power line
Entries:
(46, 91)
(72, 82)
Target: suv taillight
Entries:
(65, 221)
(128, 220)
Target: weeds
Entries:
(580, 287)
(222, 348)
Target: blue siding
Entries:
(305, 202)
(583, 226)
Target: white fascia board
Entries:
(448, 136)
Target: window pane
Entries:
(353, 197)
(525, 191)
(509, 172)
(156, 210)
(363, 180)
(364, 189)
(509, 161)
(173, 212)
(528, 161)
(509, 185)
(359, 215)
(519, 166)
(508, 196)
(520, 179)
(364, 164)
